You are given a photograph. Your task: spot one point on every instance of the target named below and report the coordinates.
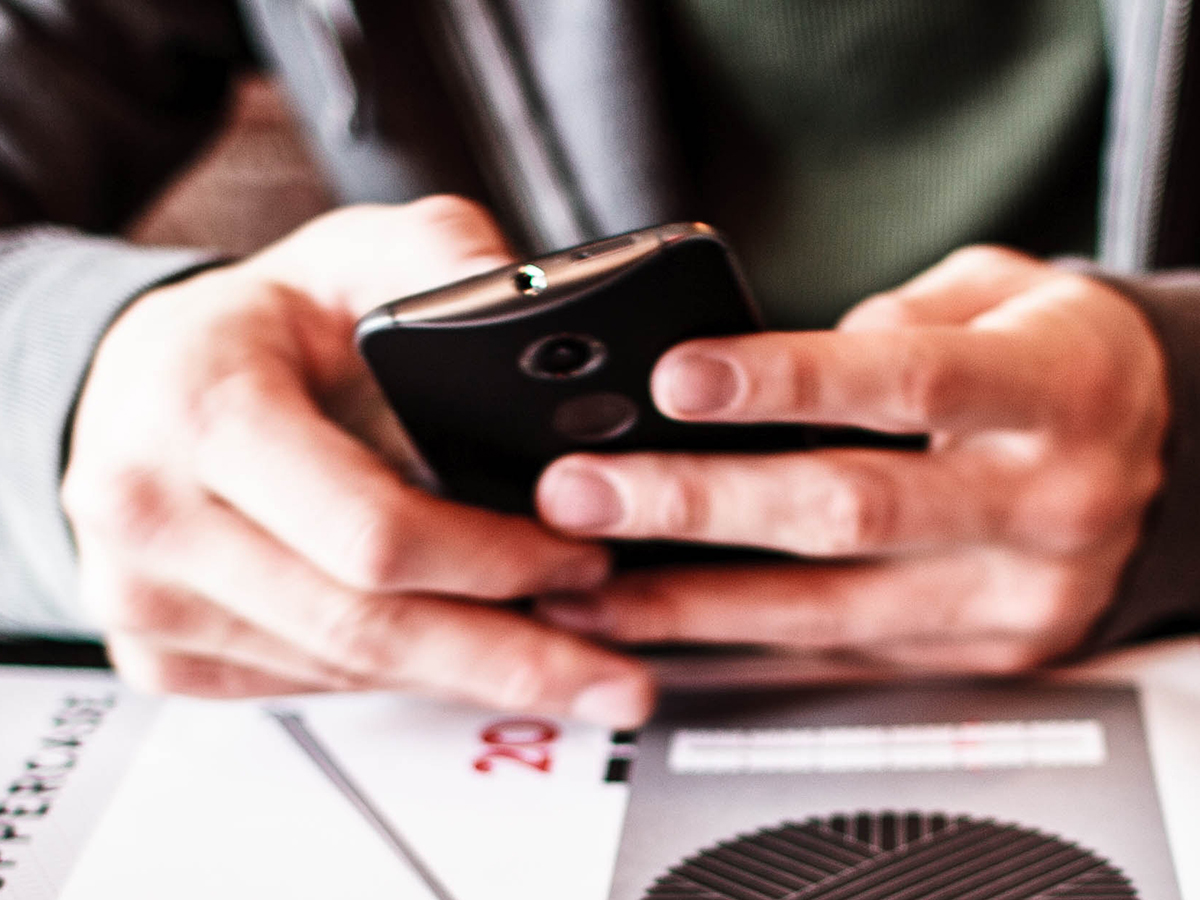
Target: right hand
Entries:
(241, 523)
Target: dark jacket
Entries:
(552, 113)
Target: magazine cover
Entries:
(881, 794)
(957, 793)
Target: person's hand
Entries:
(1045, 399)
(241, 523)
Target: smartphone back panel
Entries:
(549, 362)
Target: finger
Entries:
(758, 669)
(786, 605)
(963, 285)
(852, 502)
(431, 643)
(154, 671)
(266, 450)
(910, 381)
(963, 599)
(823, 503)
(173, 620)
(996, 654)
(884, 663)
(359, 257)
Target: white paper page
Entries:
(66, 739)
(221, 801)
(516, 817)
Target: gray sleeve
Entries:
(58, 291)
(1160, 592)
(99, 102)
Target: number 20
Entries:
(525, 742)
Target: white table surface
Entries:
(193, 763)
(1169, 675)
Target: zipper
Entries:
(1164, 110)
(534, 175)
(335, 37)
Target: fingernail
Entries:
(698, 384)
(580, 500)
(617, 704)
(576, 612)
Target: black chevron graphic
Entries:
(894, 856)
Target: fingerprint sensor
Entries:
(593, 418)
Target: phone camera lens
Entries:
(563, 356)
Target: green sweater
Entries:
(844, 145)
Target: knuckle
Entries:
(928, 388)
(463, 219)
(855, 511)
(137, 608)
(803, 379)
(129, 506)
(365, 634)
(1032, 608)
(518, 670)
(862, 512)
(1082, 509)
(1037, 612)
(822, 626)
(498, 573)
(985, 256)
(819, 515)
(887, 310)
(519, 679)
(683, 507)
(228, 399)
(378, 553)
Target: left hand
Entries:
(1044, 394)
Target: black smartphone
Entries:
(495, 376)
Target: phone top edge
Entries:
(679, 231)
(553, 277)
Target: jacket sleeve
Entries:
(99, 102)
(1160, 591)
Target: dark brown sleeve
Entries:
(100, 101)
(1160, 590)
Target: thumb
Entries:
(359, 257)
